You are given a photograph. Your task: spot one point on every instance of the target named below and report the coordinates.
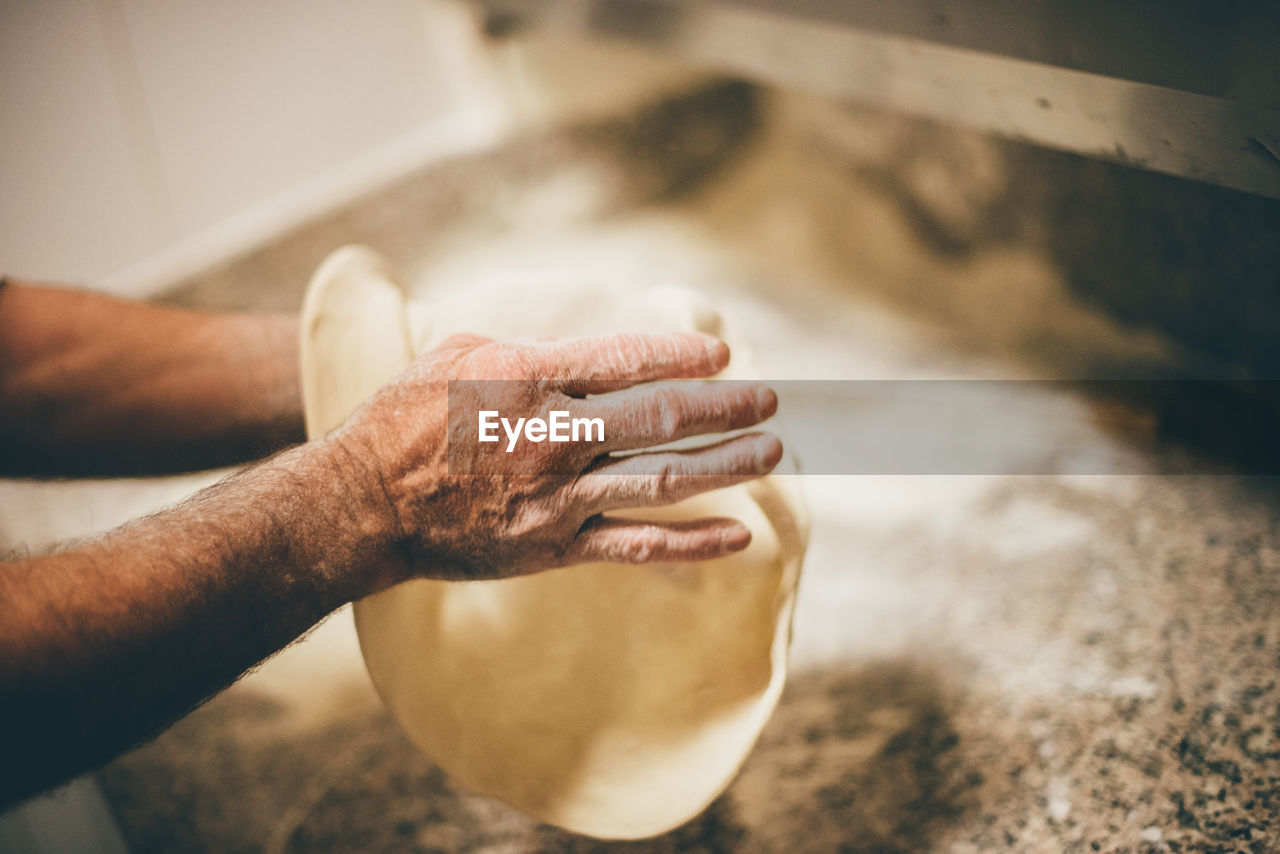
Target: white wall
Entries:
(143, 139)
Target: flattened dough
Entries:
(615, 701)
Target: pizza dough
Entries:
(615, 701)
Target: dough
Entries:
(615, 701)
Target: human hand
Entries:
(460, 510)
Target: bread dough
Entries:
(616, 701)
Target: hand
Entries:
(492, 522)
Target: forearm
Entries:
(107, 644)
(95, 385)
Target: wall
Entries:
(146, 139)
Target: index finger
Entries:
(605, 363)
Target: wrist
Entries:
(360, 548)
(267, 396)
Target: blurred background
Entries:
(946, 191)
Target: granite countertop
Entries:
(1021, 664)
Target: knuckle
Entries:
(522, 361)
(641, 548)
(662, 483)
(577, 497)
(462, 344)
(670, 413)
(456, 340)
(634, 345)
(744, 406)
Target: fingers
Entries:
(636, 541)
(606, 363)
(642, 418)
(654, 479)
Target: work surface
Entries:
(979, 663)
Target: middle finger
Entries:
(656, 414)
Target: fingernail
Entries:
(717, 351)
(770, 453)
(735, 538)
(766, 402)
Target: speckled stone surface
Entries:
(1010, 664)
(1027, 664)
